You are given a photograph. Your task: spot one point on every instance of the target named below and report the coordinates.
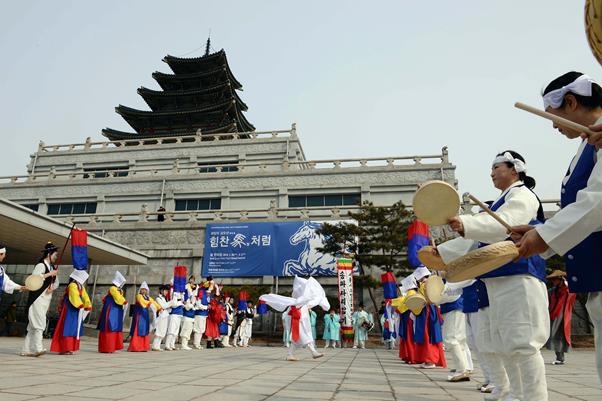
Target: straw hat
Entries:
(556, 273)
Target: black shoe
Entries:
(209, 344)
(218, 344)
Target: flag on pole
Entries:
(243, 297)
(389, 287)
(262, 308)
(79, 249)
(418, 236)
(179, 278)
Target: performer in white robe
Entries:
(454, 329)
(307, 293)
(39, 301)
(576, 230)
(6, 284)
(189, 313)
(360, 332)
(512, 329)
(246, 327)
(229, 309)
(162, 317)
(176, 315)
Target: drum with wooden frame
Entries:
(415, 302)
(435, 202)
(480, 261)
(433, 289)
(430, 258)
(34, 282)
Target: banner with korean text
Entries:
(265, 249)
(345, 279)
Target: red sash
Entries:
(295, 315)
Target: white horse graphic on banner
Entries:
(310, 262)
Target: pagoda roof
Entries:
(162, 100)
(116, 135)
(209, 117)
(196, 79)
(204, 63)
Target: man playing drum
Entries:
(575, 231)
(512, 330)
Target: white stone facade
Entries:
(269, 168)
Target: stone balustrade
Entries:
(185, 167)
(161, 141)
(207, 216)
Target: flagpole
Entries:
(59, 260)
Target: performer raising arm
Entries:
(511, 331)
(575, 231)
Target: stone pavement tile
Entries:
(225, 396)
(349, 385)
(21, 381)
(48, 389)
(363, 395)
(64, 397)
(419, 390)
(111, 393)
(175, 393)
(314, 378)
(312, 386)
(305, 394)
(16, 397)
(434, 398)
(281, 398)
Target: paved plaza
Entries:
(255, 373)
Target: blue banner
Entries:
(265, 249)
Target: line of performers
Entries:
(183, 310)
(196, 310)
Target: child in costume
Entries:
(75, 306)
(110, 324)
(141, 321)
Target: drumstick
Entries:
(558, 120)
(490, 212)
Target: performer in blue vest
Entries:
(516, 325)
(6, 284)
(576, 230)
(201, 312)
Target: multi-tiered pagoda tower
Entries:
(199, 95)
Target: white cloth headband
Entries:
(580, 86)
(2, 250)
(519, 165)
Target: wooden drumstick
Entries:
(558, 120)
(490, 212)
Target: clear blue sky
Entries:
(360, 79)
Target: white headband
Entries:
(519, 165)
(2, 250)
(580, 86)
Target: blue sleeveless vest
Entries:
(584, 273)
(475, 297)
(533, 265)
(2, 273)
(451, 306)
